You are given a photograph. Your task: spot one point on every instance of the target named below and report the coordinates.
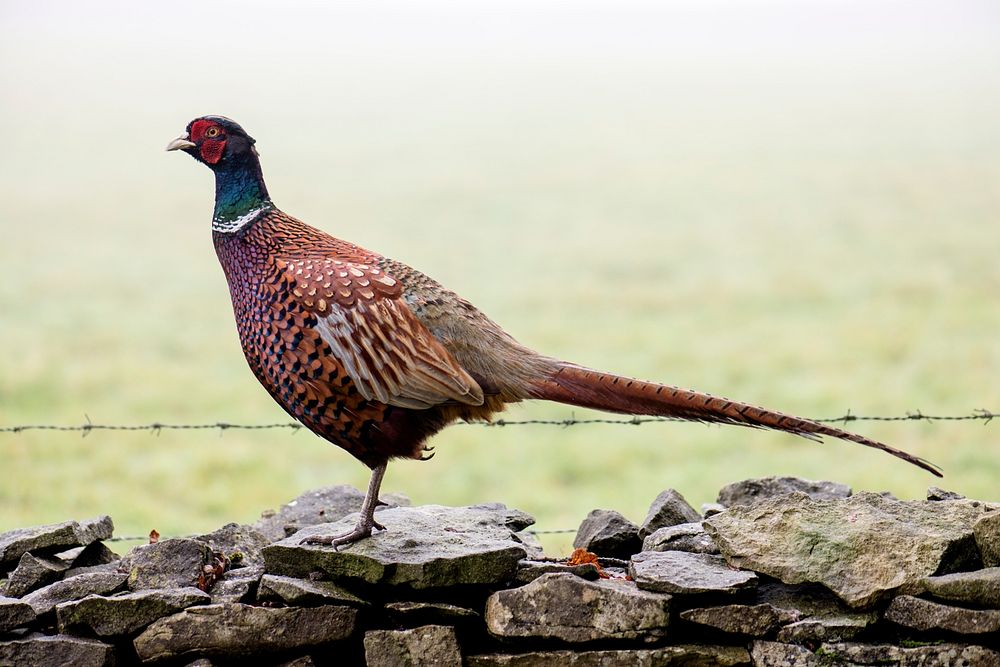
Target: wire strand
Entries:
(984, 416)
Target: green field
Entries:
(807, 229)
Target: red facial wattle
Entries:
(211, 148)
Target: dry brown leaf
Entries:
(581, 556)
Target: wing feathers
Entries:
(388, 354)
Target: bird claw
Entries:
(429, 455)
(360, 532)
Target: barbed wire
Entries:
(985, 416)
(145, 538)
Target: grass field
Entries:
(807, 226)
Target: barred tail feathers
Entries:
(583, 387)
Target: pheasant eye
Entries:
(212, 132)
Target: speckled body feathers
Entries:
(343, 344)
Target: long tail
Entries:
(588, 388)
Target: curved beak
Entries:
(180, 143)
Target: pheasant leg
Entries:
(366, 521)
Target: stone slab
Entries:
(608, 533)
(239, 630)
(126, 613)
(925, 615)
(757, 620)
(14, 613)
(566, 607)
(979, 587)
(39, 650)
(862, 548)
(668, 509)
(305, 592)
(934, 655)
(751, 491)
(44, 600)
(690, 537)
(423, 547)
(686, 573)
(427, 645)
(52, 538)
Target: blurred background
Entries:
(790, 203)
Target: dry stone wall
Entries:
(778, 572)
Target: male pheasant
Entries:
(376, 357)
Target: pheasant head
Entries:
(226, 148)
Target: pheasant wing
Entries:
(389, 355)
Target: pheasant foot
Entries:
(366, 522)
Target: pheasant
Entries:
(376, 357)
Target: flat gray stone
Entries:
(822, 616)
(126, 613)
(690, 537)
(687, 573)
(14, 613)
(92, 555)
(987, 534)
(427, 645)
(979, 587)
(305, 592)
(52, 538)
(239, 585)
(775, 654)
(242, 545)
(431, 613)
(936, 655)
(423, 547)
(924, 615)
(862, 548)
(173, 563)
(937, 493)
(751, 491)
(239, 630)
(689, 655)
(608, 533)
(44, 600)
(566, 607)
(825, 629)
(38, 649)
(668, 509)
(89, 569)
(33, 572)
(325, 505)
(806, 600)
(529, 570)
(757, 620)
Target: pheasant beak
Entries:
(181, 143)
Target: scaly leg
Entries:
(366, 521)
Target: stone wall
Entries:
(778, 572)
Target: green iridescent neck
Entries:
(239, 190)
